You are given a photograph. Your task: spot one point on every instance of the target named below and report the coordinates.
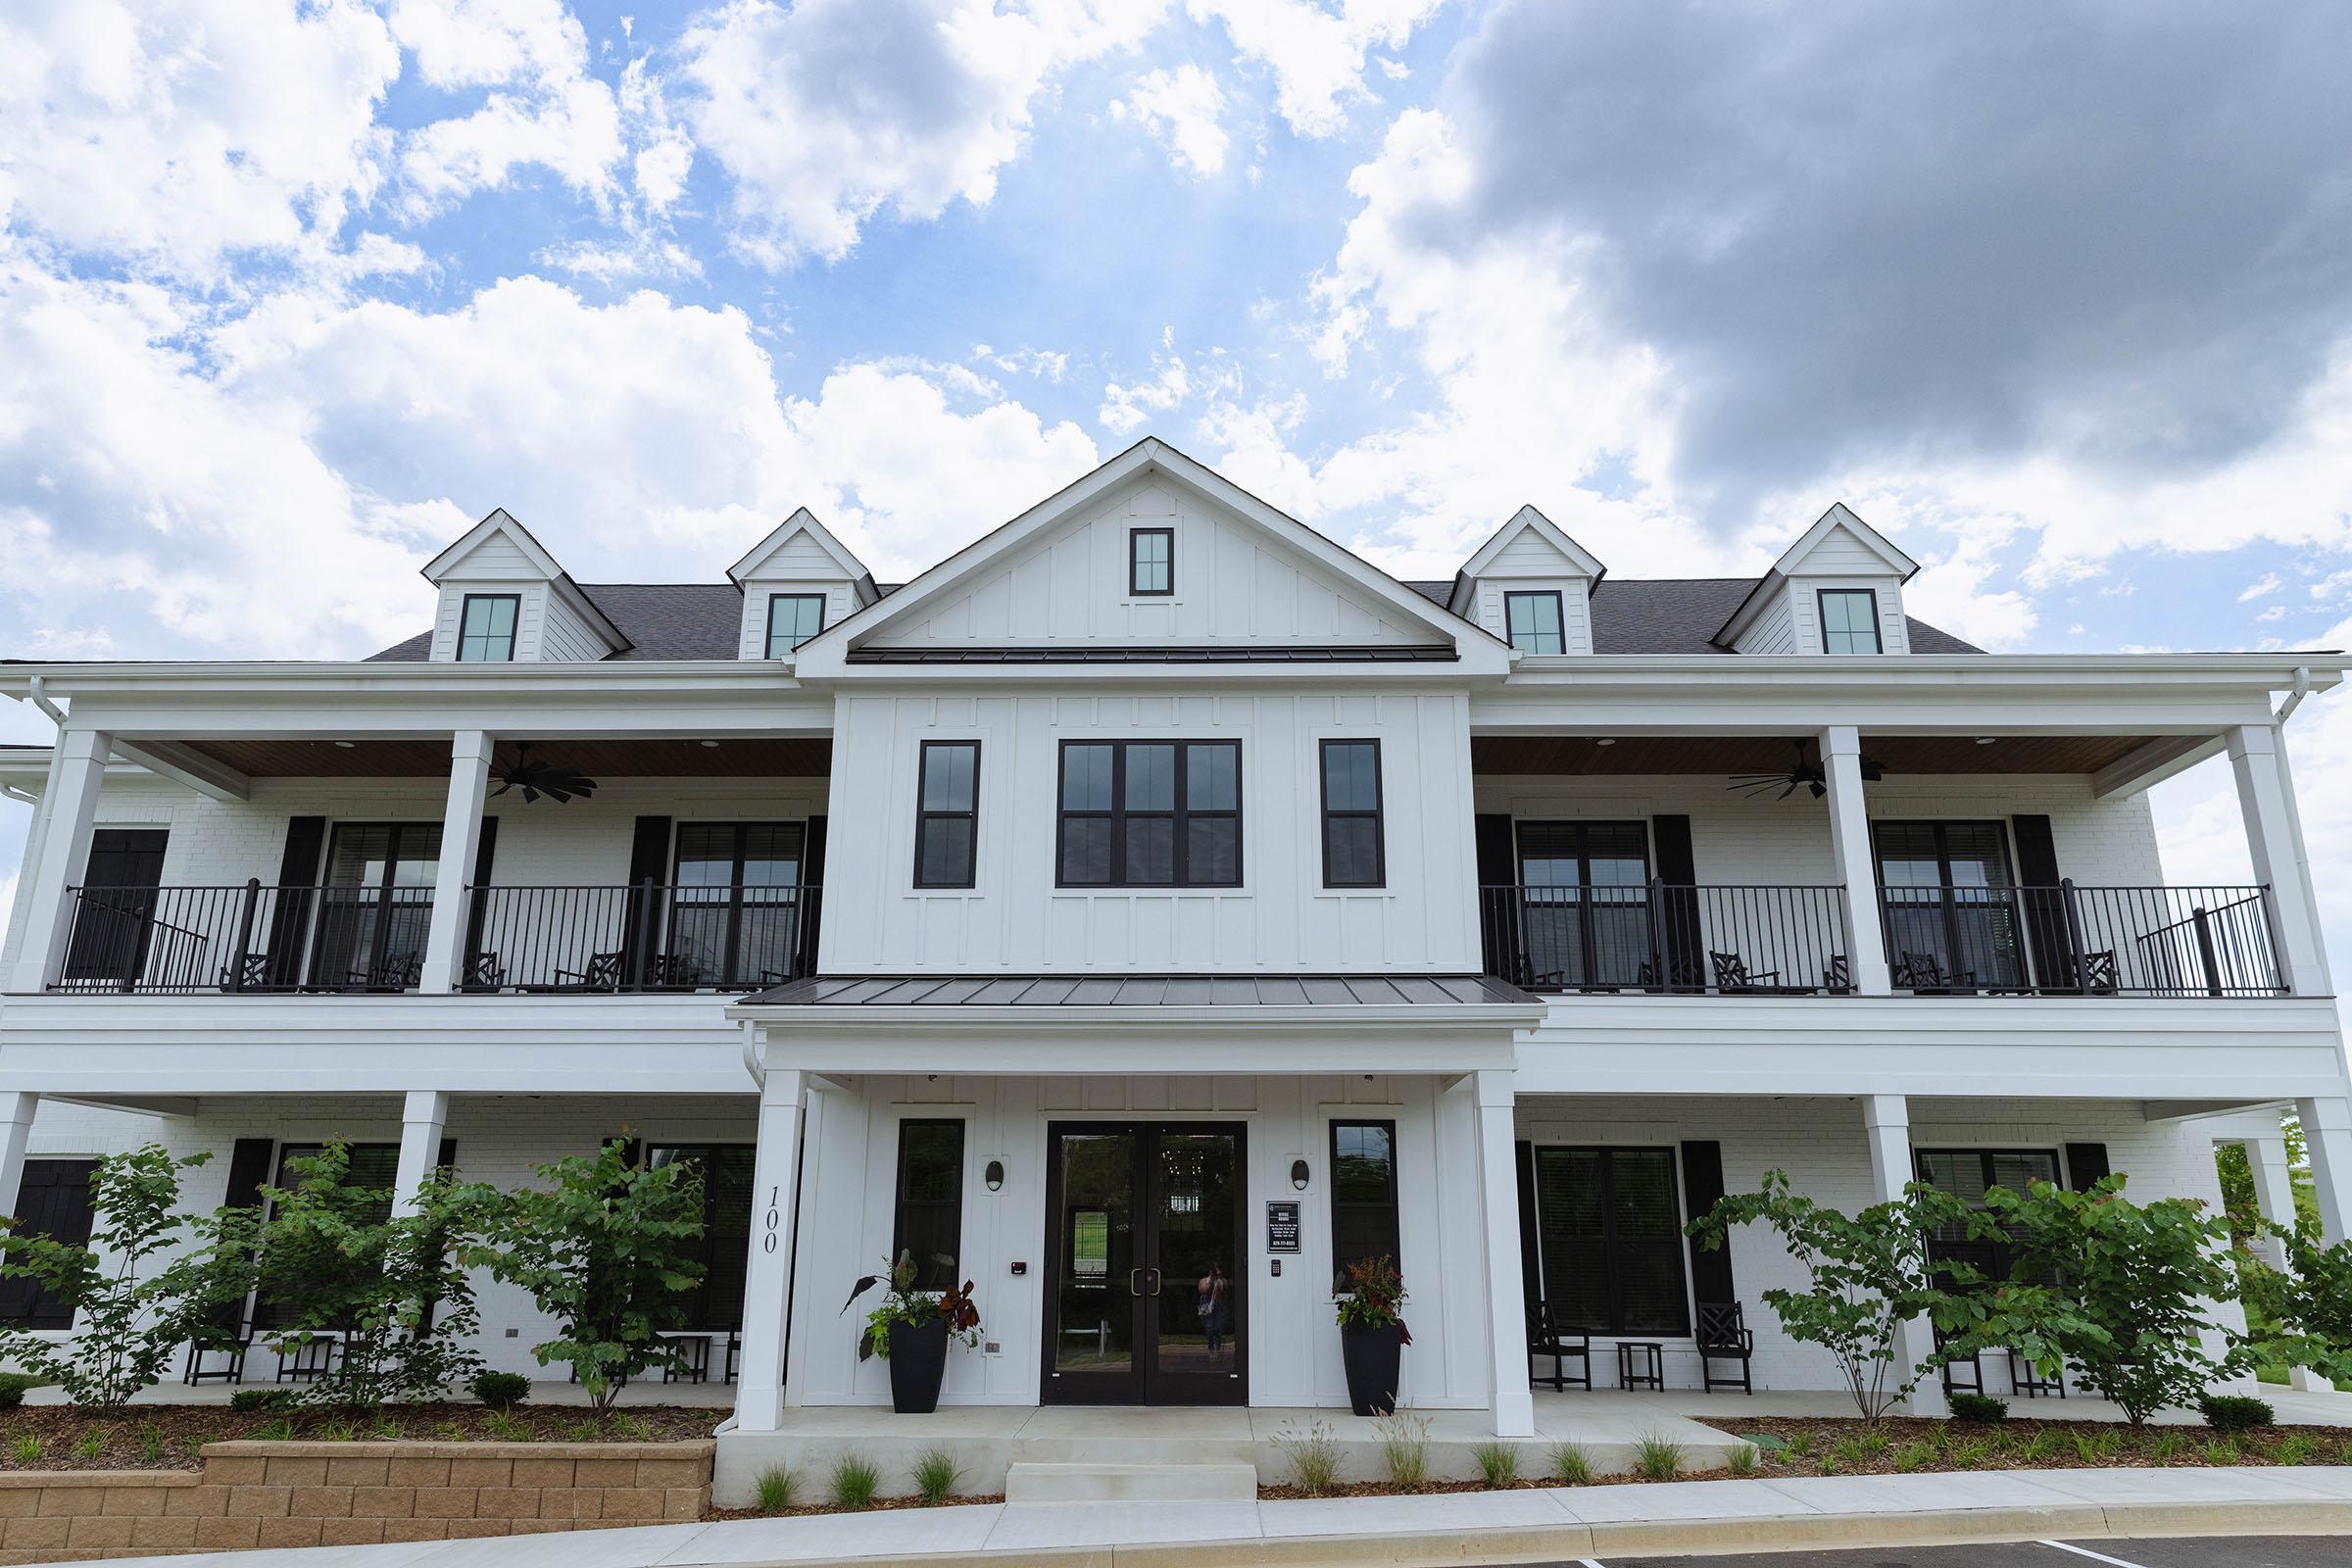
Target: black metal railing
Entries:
(1668, 937)
(2082, 941)
(646, 937)
(248, 938)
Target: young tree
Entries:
(392, 1287)
(1870, 1273)
(608, 1249)
(2302, 1316)
(136, 1288)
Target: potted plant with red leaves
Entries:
(1372, 1332)
(910, 1330)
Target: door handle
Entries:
(1154, 1273)
(1135, 1282)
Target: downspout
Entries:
(2286, 710)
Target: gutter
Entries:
(2294, 697)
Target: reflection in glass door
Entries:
(1144, 1301)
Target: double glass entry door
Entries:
(1144, 1265)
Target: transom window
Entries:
(1609, 1232)
(947, 823)
(1351, 823)
(792, 619)
(1151, 560)
(1533, 619)
(486, 628)
(1849, 621)
(1151, 814)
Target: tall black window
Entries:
(726, 1240)
(1951, 909)
(1534, 622)
(1610, 1233)
(736, 916)
(929, 1222)
(1151, 560)
(1351, 826)
(792, 619)
(368, 1167)
(1363, 1194)
(116, 938)
(1849, 621)
(1583, 902)
(53, 1200)
(377, 907)
(946, 820)
(486, 628)
(1150, 814)
(1966, 1173)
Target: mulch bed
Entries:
(168, 1437)
(878, 1505)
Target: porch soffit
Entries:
(735, 756)
(1725, 754)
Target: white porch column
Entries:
(2274, 843)
(461, 839)
(2275, 1200)
(29, 874)
(2327, 1139)
(16, 1131)
(74, 776)
(423, 1119)
(767, 1281)
(1887, 1119)
(1512, 1400)
(1857, 866)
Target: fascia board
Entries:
(2248, 671)
(500, 521)
(1840, 515)
(804, 521)
(1744, 613)
(1525, 519)
(585, 606)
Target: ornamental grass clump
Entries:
(1404, 1448)
(776, 1488)
(1570, 1464)
(853, 1482)
(1658, 1457)
(936, 1473)
(1498, 1463)
(1313, 1456)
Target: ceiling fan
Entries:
(554, 780)
(1807, 774)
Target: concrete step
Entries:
(1131, 1483)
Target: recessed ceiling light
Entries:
(347, 744)
(712, 744)
(1604, 740)
(1986, 740)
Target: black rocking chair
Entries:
(1921, 972)
(2094, 973)
(1724, 1336)
(2027, 1379)
(1546, 1338)
(224, 1335)
(1961, 1374)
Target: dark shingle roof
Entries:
(661, 619)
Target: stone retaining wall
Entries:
(347, 1494)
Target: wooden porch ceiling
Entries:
(1725, 754)
(740, 756)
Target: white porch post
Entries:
(2276, 847)
(767, 1281)
(74, 777)
(16, 1131)
(1887, 1119)
(423, 1119)
(2327, 1139)
(1857, 866)
(1513, 1401)
(29, 873)
(461, 838)
(2275, 1200)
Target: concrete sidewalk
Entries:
(1536, 1525)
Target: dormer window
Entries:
(486, 628)
(792, 619)
(1151, 560)
(1533, 619)
(1849, 621)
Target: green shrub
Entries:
(2236, 1412)
(1313, 1456)
(1913, 1456)
(1497, 1463)
(1657, 1458)
(936, 1474)
(2166, 1447)
(776, 1489)
(2296, 1447)
(248, 1400)
(2222, 1451)
(28, 1450)
(854, 1482)
(10, 1397)
(91, 1444)
(151, 1445)
(1979, 1407)
(500, 1391)
(1569, 1464)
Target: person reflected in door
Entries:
(1210, 1292)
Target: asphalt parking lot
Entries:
(2200, 1552)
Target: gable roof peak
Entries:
(803, 521)
(499, 521)
(1841, 517)
(1581, 562)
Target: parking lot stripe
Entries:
(2094, 1556)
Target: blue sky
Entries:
(2059, 295)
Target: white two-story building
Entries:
(1153, 907)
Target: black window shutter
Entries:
(1677, 870)
(2086, 1165)
(485, 854)
(290, 908)
(649, 861)
(812, 893)
(53, 1200)
(447, 1158)
(1531, 1268)
(1498, 870)
(2044, 913)
(1702, 1187)
(248, 1170)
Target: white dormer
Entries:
(1534, 573)
(505, 598)
(801, 564)
(1838, 590)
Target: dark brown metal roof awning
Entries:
(1146, 991)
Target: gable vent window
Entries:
(948, 814)
(1151, 560)
(1533, 619)
(1849, 621)
(1351, 848)
(486, 628)
(1151, 814)
(792, 619)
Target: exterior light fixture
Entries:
(348, 745)
(993, 1176)
(1299, 1174)
(1604, 739)
(1986, 740)
(714, 745)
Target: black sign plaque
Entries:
(1282, 1225)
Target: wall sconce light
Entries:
(1299, 1174)
(993, 1176)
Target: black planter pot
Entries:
(1374, 1358)
(918, 1360)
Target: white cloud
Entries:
(828, 111)
(1127, 407)
(2268, 583)
(1181, 109)
(1316, 53)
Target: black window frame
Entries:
(732, 1244)
(924, 817)
(466, 613)
(774, 600)
(1821, 612)
(1383, 1215)
(28, 1304)
(928, 1275)
(1614, 1273)
(1120, 814)
(757, 919)
(1995, 1261)
(1559, 619)
(1135, 588)
(1377, 815)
